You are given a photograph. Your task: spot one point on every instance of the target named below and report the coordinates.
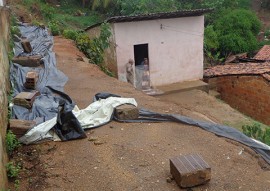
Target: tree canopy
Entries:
(236, 31)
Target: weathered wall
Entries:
(175, 47)
(248, 94)
(110, 54)
(4, 88)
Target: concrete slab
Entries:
(183, 86)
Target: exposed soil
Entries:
(134, 156)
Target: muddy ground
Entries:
(135, 156)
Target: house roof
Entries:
(262, 69)
(154, 16)
(264, 53)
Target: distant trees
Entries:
(234, 31)
(230, 28)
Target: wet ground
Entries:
(135, 156)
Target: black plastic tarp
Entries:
(220, 130)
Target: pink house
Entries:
(172, 42)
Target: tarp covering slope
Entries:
(50, 84)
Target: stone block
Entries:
(20, 127)
(25, 99)
(26, 45)
(126, 112)
(31, 80)
(28, 61)
(190, 170)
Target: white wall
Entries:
(175, 47)
(1, 3)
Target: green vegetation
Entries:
(14, 30)
(12, 170)
(93, 48)
(11, 142)
(69, 14)
(255, 131)
(236, 31)
(231, 28)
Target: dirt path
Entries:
(136, 156)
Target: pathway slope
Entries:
(134, 156)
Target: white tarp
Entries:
(96, 114)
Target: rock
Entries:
(28, 165)
(93, 138)
(26, 45)
(28, 61)
(80, 58)
(41, 25)
(126, 112)
(169, 179)
(20, 127)
(190, 170)
(98, 142)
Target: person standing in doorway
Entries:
(130, 72)
(146, 75)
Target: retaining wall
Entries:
(248, 94)
(4, 89)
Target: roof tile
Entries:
(240, 69)
(264, 53)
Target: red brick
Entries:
(190, 170)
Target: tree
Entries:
(237, 31)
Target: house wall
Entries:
(110, 60)
(4, 88)
(175, 47)
(248, 94)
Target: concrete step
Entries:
(183, 87)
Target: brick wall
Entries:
(4, 88)
(248, 94)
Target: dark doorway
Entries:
(140, 52)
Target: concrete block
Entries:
(26, 45)
(126, 112)
(20, 127)
(28, 61)
(25, 99)
(190, 170)
(31, 80)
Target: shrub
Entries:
(11, 142)
(83, 43)
(210, 38)
(54, 27)
(47, 11)
(267, 32)
(12, 170)
(70, 34)
(94, 48)
(256, 132)
(237, 31)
